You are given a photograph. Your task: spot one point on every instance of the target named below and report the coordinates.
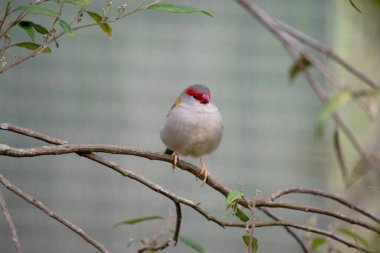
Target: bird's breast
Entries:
(192, 133)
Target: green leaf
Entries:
(133, 240)
(27, 27)
(232, 197)
(365, 164)
(355, 7)
(334, 103)
(32, 46)
(98, 19)
(302, 62)
(241, 215)
(189, 242)
(176, 8)
(254, 244)
(138, 220)
(356, 237)
(67, 28)
(81, 3)
(39, 28)
(339, 155)
(316, 243)
(37, 9)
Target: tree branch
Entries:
(84, 150)
(11, 225)
(318, 46)
(33, 201)
(296, 52)
(173, 239)
(290, 231)
(322, 193)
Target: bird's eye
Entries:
(195, 96)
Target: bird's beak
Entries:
(205, 98)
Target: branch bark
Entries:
(11, 225)
(296, 51)
(85, 151)
(35, 202)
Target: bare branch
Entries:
(30, 133)
(52, 214)
(322, 193)
(316, 231)
(295, 52)
(131, 151)
(312, 209)
(83, 150)
(290, 231)
(252, 207)
(318, 46)
(173, 239)
(11, 225)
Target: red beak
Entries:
(205, 98)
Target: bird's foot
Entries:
(176, 160)
(203, 171)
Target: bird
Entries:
(193, 127)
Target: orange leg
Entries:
(176, 159)
(203, 171)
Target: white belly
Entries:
(192, 133)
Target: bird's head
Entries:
(194, 95)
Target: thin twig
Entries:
(313, 230)
(253, 220)
(295, 52)
(318, 46)
(322, 193)
(52, 214)
(193, 169)
(173, 239)
(138, 152)
(11, 225)
(55, 37)
(83, 150)
(313, 209)
(290, 231)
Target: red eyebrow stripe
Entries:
(192, 92)
(198, 95)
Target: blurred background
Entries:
(96, 90)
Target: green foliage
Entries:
(354, 236)
(32, 46)
(232, 198)
(27, 27)
(241, 215)
(254, 244)
(189, 242)
(81, 3)
(104, 26)
(52, 34)
(316, 243)
(294, 70)
(138, 220)
(37, 9)
(334, 103)
(177, 8)
(67, 28)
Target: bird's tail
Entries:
(168, 151)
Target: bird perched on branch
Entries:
(193, 126)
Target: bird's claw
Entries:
(176, 159)
(203, 171)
